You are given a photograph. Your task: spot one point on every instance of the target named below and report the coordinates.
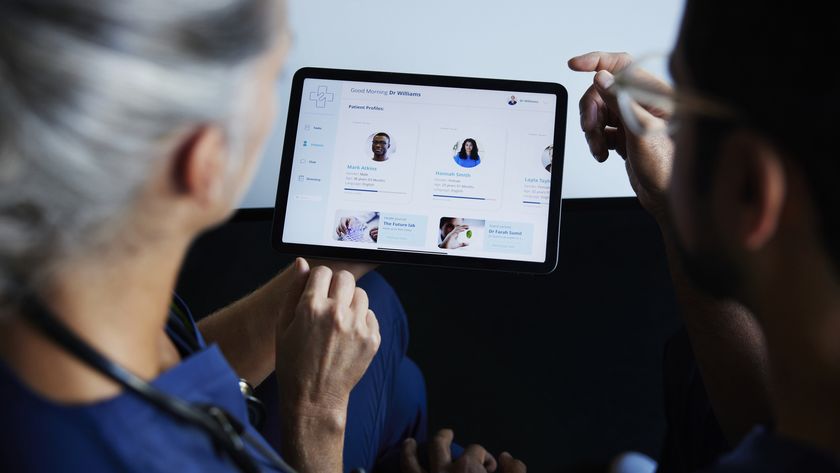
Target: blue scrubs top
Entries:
(125, 433)
(467, 162)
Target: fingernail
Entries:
(604, 79)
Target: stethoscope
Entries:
(226, 432)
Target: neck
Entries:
(118, 306)
(801, 321)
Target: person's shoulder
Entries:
(114, 434)
(72, 439)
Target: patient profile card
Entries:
(376, 156)
(530, 178)
(463, 161)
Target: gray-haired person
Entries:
(129, 127)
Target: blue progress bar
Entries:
(458, 197)
(360, 190)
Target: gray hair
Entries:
(90, 92)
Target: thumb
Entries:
(641, 114)
(604, 81)
(508, 464)
(300, 274)
(409, 463)
(297, 274)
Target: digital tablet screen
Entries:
(422, 169)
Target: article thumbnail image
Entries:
(356, 226)
(460, 233)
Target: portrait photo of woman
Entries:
(468, 156)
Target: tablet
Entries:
(421, 169)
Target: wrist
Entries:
(326, 416)
(658, 208)
(313, 437)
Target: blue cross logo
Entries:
(321, 96)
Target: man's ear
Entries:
(199, 169)
(749, 188)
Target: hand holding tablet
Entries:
(422, 169)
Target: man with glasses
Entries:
(744, 191)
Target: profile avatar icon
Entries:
(512, 100)
(379, 145)
(468, 156)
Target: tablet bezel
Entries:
(422, 257)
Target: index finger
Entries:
(356, 269)
(318, 285)
(600, 61)
(342, 287)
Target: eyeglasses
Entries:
(648, 102)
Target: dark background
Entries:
(563, 371)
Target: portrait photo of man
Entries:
(379, 145)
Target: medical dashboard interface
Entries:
(463, 172)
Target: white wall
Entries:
(529, 40)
